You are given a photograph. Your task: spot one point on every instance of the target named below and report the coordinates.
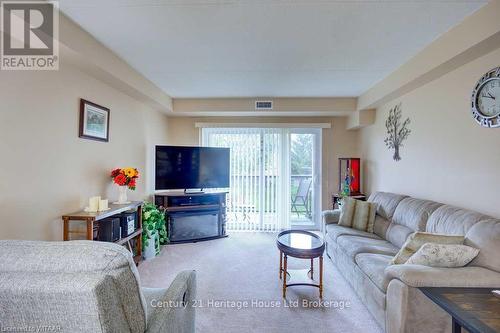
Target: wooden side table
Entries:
(303, 245)
(475, 309)
(92, 220)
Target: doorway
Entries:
(275, 176)
(305, 177)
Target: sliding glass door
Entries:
(261, 197)
(305, 171)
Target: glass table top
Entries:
(301, 241)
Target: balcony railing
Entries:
(244, 206)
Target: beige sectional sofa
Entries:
(390, 292)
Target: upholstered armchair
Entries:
(85, 286)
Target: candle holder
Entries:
(93, 206)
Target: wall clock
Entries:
(486, 99)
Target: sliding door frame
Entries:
(285, 136)
(317, 160)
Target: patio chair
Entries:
(302, 196)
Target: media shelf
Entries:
(133, 241)
(193, 217)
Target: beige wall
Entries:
(448, 157)
(282, 107)
(337, 141)
(45, 169)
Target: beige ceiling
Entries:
(288, 48)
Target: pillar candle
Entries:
(94, 204)
(103, 205)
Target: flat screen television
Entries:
(191, 167)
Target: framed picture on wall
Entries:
(94, 121)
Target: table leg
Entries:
(66, 229)
(312, 269)
(321, 277)
(284, 276)
(456, 327)
(281, 263)
(90, 229)
(139, 239)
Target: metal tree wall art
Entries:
(397, 132)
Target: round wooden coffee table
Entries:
(304, 245)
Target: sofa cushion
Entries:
(334, 231)
(373, 265)
(361, 215)
(364, 216)
(371, 219)
(453, 220)
(461, 277)
(386, 203)
(380, 226)
(485, 236)
(397, 234)
(370, 295)
(414, 213)
(417, 239)
(347, 212)
(352, 245)
(411, 215)
(443, 255)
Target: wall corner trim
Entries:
(360, 119)
(80, 49)
(476, 36)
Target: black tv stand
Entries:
(193, 217)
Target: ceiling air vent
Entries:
(263, 105)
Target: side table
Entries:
(475, 309)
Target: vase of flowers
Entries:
(122, 195)
(126, 179)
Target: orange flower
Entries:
(120, 180)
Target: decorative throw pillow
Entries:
(371, 218)
(360, 217)
(364, 215)
(347, 213)
(415, 241)
(443, 255)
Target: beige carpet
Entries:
(244, 267)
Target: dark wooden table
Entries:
(304, 245)
(475, 309)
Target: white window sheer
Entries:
(259, 196)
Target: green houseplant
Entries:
(153, 227)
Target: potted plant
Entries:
(154, 231)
